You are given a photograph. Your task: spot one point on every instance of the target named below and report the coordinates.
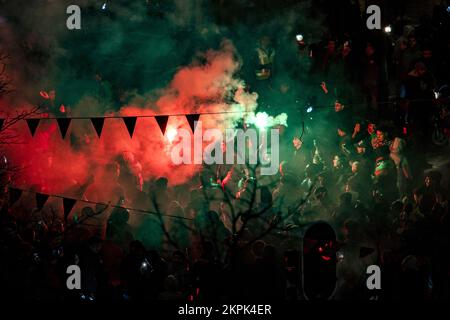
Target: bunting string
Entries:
(129, 121)
(434, 101)
(161, 119)
(142, 116)
(69, 203)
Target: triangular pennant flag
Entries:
(98, 125)
(63, 124)
(2, 121)
(68, 206)
(41, 199)
(162, 123)
(192, 118)
(14, 195)
(130, 122)
(32, 125)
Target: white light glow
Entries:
(171, 133)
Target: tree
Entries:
(5, 80)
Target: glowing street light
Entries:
(388, 29)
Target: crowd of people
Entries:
(359, 161)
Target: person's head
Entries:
(348, 187)
(412, 41)
(113, 170)
(350, 228)
(380, 135)
(321, 179)
(355, 166)
(316, 160)
(171, 283)
(406, 212)
(264, 42)
(266, 195)
(433, 178)
(337, 163)
(383, 165)
(311, 170)
(398, 146)
(95, 244)
(297, 142)
(346, 198)
(420, 69)
(283, 168)
(440, 198)
(371, 127)
(258, 248)
(341, 132)
(128, 157)
(397, 206)
(361, 147)
(418, 195)
(52, 94)
(87, 212)
(57, 226)
(137, 248)
(320, 193)
(177, 256)
(403, 44)
(338, 106)
(161, 183)
(331, 46)
(428, 181)
(370, 50)
(346, 48)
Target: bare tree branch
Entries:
(5, 81)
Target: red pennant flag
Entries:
(14, 195)
(192, 119)
(63, 124)
(98, 125)
(162, 123)
(32, 125)
(130, 123)
(41, 199)
(68, 205)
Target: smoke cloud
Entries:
(134, 58)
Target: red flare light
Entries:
(44, 95)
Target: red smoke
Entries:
(50, 164)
